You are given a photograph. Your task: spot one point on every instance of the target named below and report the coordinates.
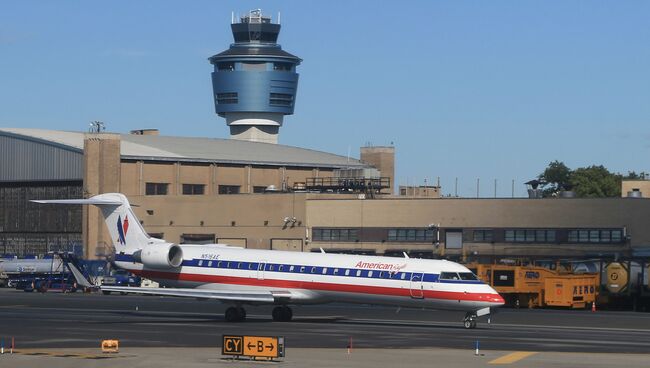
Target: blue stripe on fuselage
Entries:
(316, 270)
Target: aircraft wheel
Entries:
(467, 323)
(241, 314)
(287, 314)
(277, 314)
(282, 314)
(232, 315)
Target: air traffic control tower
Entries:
(254, 81)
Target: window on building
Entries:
(156, 188)
(338, 235)
(197, 239)
(193, 189)
(227, 98)
(595, 236)
(259, 189)
(529, 236)
(410, 235)
(229, 189)
(483, 236)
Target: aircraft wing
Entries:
(222, 295)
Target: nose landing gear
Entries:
(470, 320)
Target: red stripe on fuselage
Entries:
(322, 286)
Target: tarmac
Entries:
(65, 330)
(316, 358)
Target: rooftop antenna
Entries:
(278, 17)
(232, 17)
(96, 127)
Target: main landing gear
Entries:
(282, 314)
(470, 320)
(238, 314)
(235, 314)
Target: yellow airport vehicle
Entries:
(533, 287)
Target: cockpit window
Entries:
(467, 276)
(449, 276)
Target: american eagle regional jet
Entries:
(241, 276)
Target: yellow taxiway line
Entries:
(512, 357)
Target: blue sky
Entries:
(464, 89)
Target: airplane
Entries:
(240, 276)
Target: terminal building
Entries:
(252, 192)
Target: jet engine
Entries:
(164, 255)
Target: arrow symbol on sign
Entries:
(270, 347)
(250, 346)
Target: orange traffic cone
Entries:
(593, 306)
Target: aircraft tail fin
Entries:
(126, 231)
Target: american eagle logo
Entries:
(122, 229)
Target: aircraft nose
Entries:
(498, 299)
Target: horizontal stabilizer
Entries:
(96, 202)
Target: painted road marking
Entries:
(513, 357)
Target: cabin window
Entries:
(369, 273)
(448, 276)
(313, 270)
(239, 264)
(358, 272)
(324, 270)
(281, 268)
(250, 266)
(291, 268)
(347, 272)
(227, 264)
(403, 276)
(209, 263)
(302, 269)
(336, 271)
(467, 276)
(200, 263)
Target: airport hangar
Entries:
(270, 196)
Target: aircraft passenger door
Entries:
(260, 270)
(417, 286)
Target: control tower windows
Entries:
(227, 98)
(254, 66)
(283, 67)
(229, 189)
(226, 66)
(280, 99)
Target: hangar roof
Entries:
(168, 148)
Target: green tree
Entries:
(632, 175)
(556, 177)
(595, 182)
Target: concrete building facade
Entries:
(196, 190)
